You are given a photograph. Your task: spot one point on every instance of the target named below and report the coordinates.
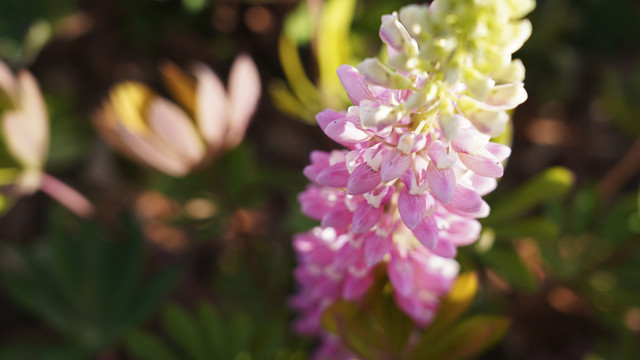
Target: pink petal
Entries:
(244, 93)
(499, 151)
(175, 128)
(327, 116)
(345, 131)
(482, 185)
(354, 84)
(315, 203)
(356, 287)
(469, 141)
(319, 161)
(482, 163)
(365, 217)
(427, 232)
(153, 152)
(466, 200)
(376, 248)
(412, 208)
(339, 217)
(394, 165)
(439, 154)
(401, 274)
(347, 255)
(363, 179)
(335, 176)
(211, 107)
(413, 307)
(442, 182)
(446, 249)
(464, 232)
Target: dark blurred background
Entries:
(200, 267)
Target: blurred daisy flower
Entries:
(25, 126)
(177, 139)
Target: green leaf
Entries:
(184, 331)
(149, 295)
(510, 267)
(552, 183)
(466, 339)
(298, 25)
(42, 352)
(213, 330)
(395, 324)
(145, 346)
(454, 304)
(347, 320)
(295, 74)
(288, 103)
(242, 334)
(333, 43)
(194, 6)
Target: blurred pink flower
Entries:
(172, 139)
(25, 126)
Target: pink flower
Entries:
(407, 190)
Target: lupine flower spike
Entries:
(407, 189)
(26, 134)
(173, 139)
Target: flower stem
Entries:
(67, 196)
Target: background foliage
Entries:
(200, 267)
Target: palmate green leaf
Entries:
(42, 352)
(242, 334)
(86, 287)
(145, 346)
(214, 332)
(208, 334)
(509, 266)
(550, 184)
(465, 339)
(148, 296)
(184, 330)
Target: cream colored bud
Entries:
(478, 84)
(512, 73)
(376, 73)
(438, 49)
(373, 114)
(393, 33)
(449, 125)
(415, 18)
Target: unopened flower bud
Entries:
(376, 73)
(393, 33)
(414, 17)
(373, 114)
